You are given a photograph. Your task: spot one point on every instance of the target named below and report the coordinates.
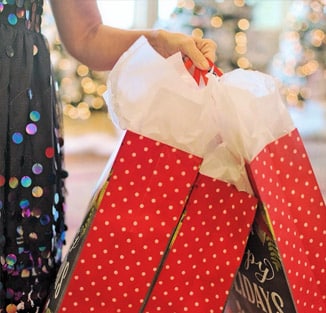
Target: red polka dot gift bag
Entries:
(288, 236)
(155, 237)
(161, 235)
(205, 207)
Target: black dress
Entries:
(31, 173)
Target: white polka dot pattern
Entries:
(200, 267)
(147, 189)
(285, 182)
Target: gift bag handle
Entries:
(199, 74)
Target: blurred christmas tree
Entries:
(80, 89)
(224, 21)
(229, 23)
(302, 50)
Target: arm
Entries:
(99, 46)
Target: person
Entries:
(32, 189)
(99, 46)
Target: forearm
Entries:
(86, 38)
(99, 46)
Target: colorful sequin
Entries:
(34, 116)
(16, 11)
(17, 138)
(31, 129)
(37, 168)
(32, 230)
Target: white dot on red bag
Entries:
(166, 167)
(121, 256)
(199, 212)
(178, 161)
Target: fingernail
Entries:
(205, 64)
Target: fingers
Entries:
(195, 48)
(190, 49)
(207, 47)
(199, 50)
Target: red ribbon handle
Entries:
(199, 74)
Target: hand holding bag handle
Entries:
(199, 74)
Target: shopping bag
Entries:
(131, 218)
(262, 132)
(156, 212)
(260, 284)
(199, 270)
(153, 215)
(297, 212)
(195, 133)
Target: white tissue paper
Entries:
(158, 98)
(226, 122)
(251, 111)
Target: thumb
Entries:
(192, 51)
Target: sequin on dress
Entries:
(31, 174)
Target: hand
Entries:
(197, 49)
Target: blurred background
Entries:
(283, 38)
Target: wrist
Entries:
(154, 37)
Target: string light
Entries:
(227, 22)
(302, 50)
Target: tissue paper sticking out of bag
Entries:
(229, 119)
(158, 98)
(251, 111)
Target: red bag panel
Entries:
(285, 183)
(207, 252)
(145, 194)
